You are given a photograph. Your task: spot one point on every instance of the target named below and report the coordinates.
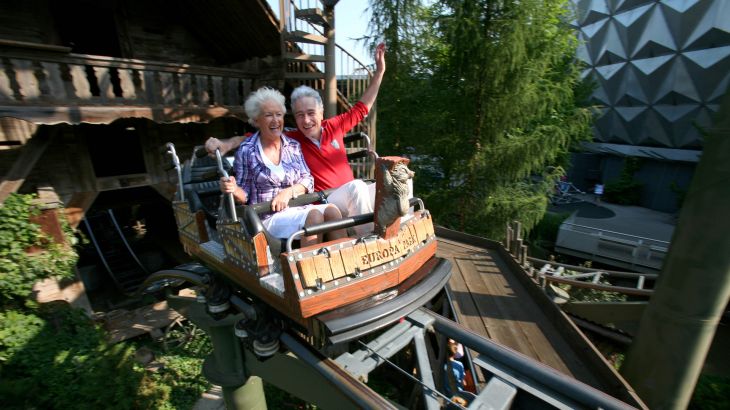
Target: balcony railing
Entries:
(44, 84)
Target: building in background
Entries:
(660, 69)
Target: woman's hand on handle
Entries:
(281, 200)
(228, 186)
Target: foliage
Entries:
(20, 270)
(680, 193)
(579, 294)
(711, 393)
(545, 233)
(59, 359)
(626, 190)
(181, 375)
(481, 94)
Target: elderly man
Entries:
(322, 143)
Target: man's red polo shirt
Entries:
(328, 162)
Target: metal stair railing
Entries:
(303, 48)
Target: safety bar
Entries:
(329, 226)
(358, 136)
(170, 149)
(343, 223)
(229, 196)
(201, 152)
(360, 154)
(306, 199)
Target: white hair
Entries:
(258, 98)
(305, 91)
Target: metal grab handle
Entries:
(229, 196)
(176, 162)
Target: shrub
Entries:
(623, 192)
(19, 271)
(60, 360)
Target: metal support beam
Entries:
(301, 371)
(541, 381)
(424, 370)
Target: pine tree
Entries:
(491, 106)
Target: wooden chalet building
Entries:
(90, 91)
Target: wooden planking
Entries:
(308, 272)
(338, 269)
(24, 163)
(490, 301)
(349, 259)
(362, 263)
(322, 264)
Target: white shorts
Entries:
(284, 223)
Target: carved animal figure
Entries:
(395, 195)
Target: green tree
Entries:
(400, 24)
(489, 102)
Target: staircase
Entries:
(313, 58)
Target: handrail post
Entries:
(330, 69)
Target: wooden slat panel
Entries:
(349, 259)
(338, 269)
(406, 239)
(361, 257)
(261, 245)
(428, 224)
(372, 250)
(420, 231)
(413, 231)
(398, 247)
(307, 272)
(385, 248)
(322, 264)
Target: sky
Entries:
(351, 22)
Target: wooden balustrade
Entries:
(53, 87)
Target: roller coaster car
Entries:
(335, 291)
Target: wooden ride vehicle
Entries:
(334, 291)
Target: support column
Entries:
(678, 326)
(330, 69)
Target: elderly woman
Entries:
(269, 166)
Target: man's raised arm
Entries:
(371, 93)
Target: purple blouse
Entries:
(256, 179)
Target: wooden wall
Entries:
(65, 164)
(28, 21)
(152, 30)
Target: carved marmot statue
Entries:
(391, 200)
